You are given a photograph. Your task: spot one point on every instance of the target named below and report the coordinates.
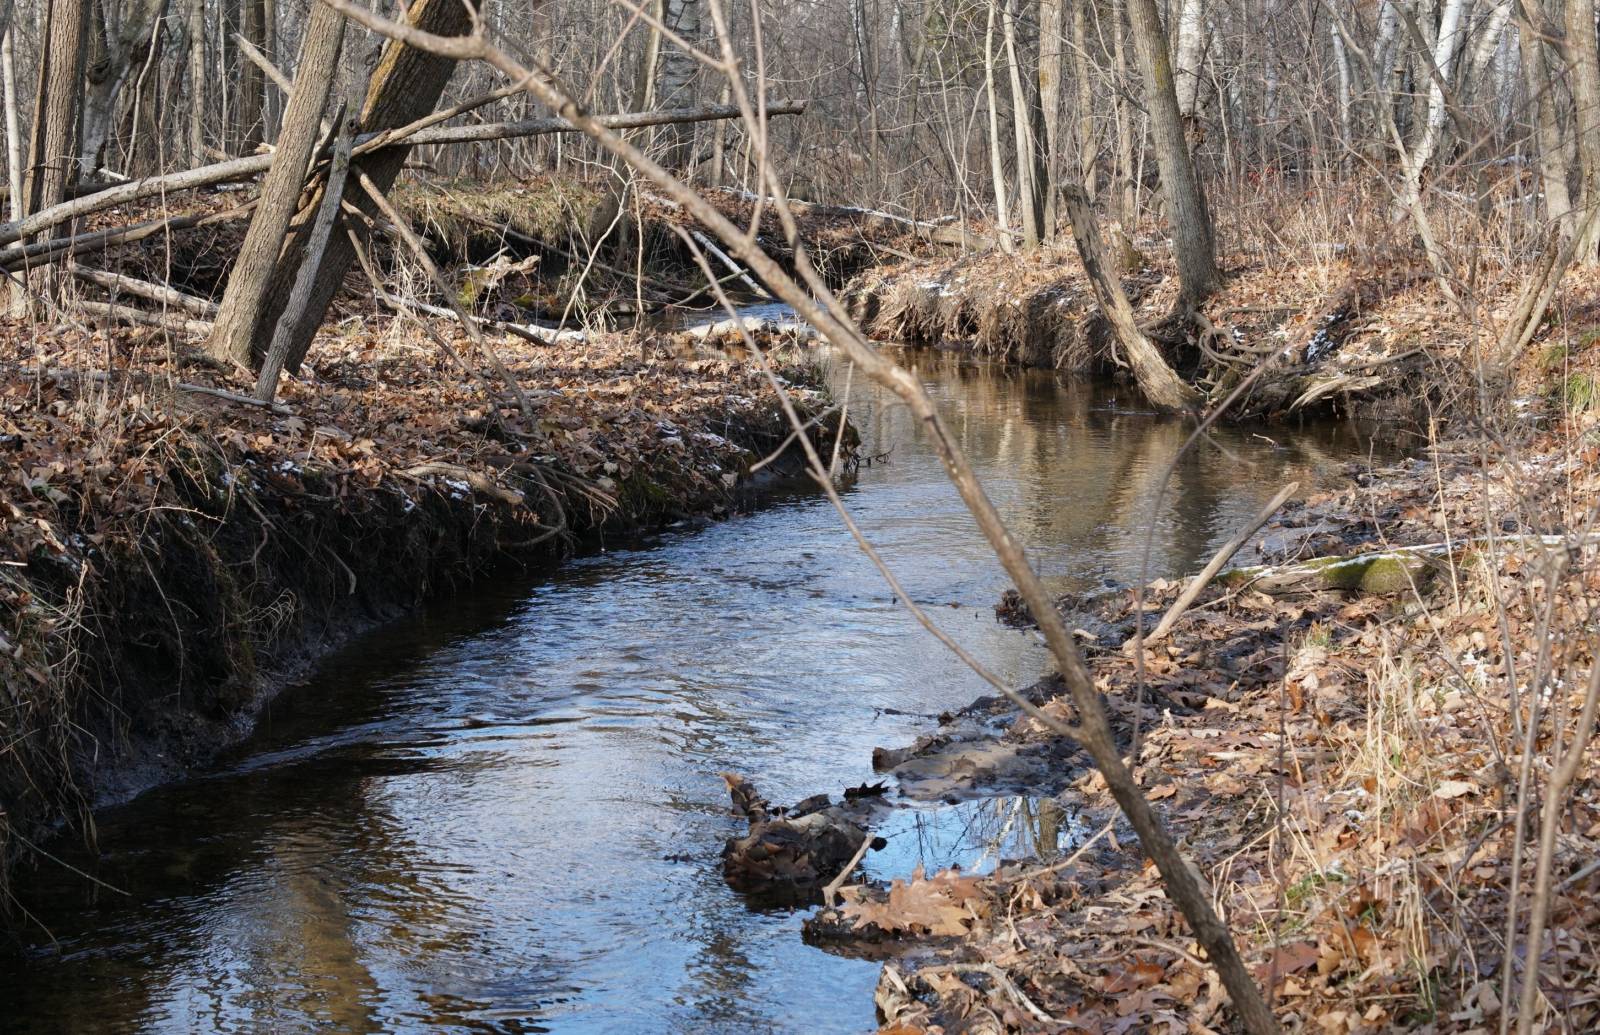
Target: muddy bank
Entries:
(168, 556)
(1366, 335)
(1339, 760)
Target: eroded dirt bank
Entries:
(1352, 330)
(168, 556)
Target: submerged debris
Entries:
(799, 848)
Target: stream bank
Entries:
(1337, 756)
(170, 558)
(1357, 332)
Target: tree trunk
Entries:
(1088, 139)
(1445, 49)
(996, 157)
(1341, 59)
(678, 79)
(252, 83)
(321, 233)
(16, 298)
(1052, 30)
(1553, 165)
(55, 123)
(1180, 182)
(1127, 198)
(197, 82)
(120, 52)
(405, 86)
(239, 322)
(1585, 61)
(1190, 55)
(8, 81)
(1029, 200)
(142, 153)
(1160, 384)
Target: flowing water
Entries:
(505, 814)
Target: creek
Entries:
(505, 813)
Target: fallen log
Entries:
(236, 169)
(161, 293)
(19, 256)
(144, 318)
(1223, 556)
(528, 332)
(1384, 572)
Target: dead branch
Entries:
(1223, 556)
(479, 483)
(143, 317)
(161, 293)
(100, 376)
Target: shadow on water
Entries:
(505, 814)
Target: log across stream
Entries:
(506, 814)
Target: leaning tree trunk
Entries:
(405, 86)
(239, 322)
(1157, 380)
(1192, 237)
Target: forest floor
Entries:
(1341, 752)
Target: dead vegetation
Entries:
(1359, 325)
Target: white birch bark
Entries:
(1189, 55)
(1445, 50)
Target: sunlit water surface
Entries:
(505, 815)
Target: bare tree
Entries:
(53, 146)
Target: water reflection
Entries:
(505, 814)
(975, 836)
